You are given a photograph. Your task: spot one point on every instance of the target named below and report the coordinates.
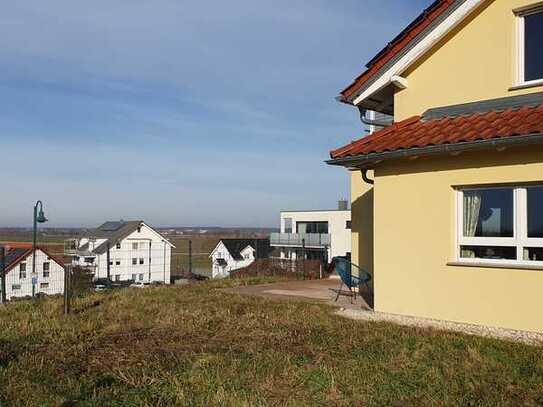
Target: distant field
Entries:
(27, 237)
(54, 243)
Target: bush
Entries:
(81, 281)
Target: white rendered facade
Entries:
(316, 234)
(49, 276)
(143, 255)
(222, 261)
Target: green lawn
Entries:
(200, 346)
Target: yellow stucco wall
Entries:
(362, 204)
(415, 238)
(475, 62)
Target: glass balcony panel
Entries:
(300, 239)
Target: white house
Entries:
(49, 278)
(314, 235)
(235, 254)
(124, 250)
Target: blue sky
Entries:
(180, 112)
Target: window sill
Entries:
(483, 264)
(527, 85)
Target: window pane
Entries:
(532, 48)
(533, 253)
(288, 225)
(488, 213)
(535, 212)
(488, 252)
(312, 227)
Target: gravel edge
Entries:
(527, 337)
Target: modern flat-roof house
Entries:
(49, 278)
(235, 254)
(314, 235)
(124, 250)
(447, 202)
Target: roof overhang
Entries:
(370, 161)
(386, 77)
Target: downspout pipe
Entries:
(108, 260)
(164, 261)
(365, 177)
(370, 122)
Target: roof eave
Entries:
(369, 161)
(368, 82)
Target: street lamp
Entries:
(39, 217)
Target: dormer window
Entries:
(530, 34)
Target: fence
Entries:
(299, 269)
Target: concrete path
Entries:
(531, 338)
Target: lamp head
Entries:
(41, 217)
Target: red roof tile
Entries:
(398, 44)
(414, 132)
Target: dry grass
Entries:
(200, 346)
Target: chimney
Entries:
(343, 205)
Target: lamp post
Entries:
(39, 217)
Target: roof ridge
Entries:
(497, 105)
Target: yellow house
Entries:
(447, 201)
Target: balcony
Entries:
(309, 240)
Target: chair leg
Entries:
(339, 291)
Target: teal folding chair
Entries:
(343, 267)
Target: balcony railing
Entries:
(319, 240)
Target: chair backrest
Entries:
(343, 267)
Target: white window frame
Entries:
(520, 35)
(22, 271)
(520, 238)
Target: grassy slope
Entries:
(196, 346)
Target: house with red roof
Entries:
(447, 192)
(20, 283)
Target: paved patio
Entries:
(307, 290)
